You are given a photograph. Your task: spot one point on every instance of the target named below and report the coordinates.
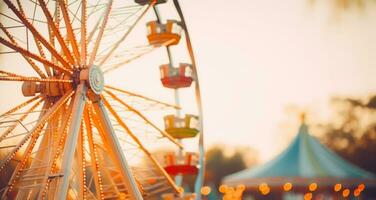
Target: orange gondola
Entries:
(167, 34)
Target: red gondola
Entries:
(175, 78)
(185, 164)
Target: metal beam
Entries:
(36, 33)
(141, 146)
(163, 133)
(93, 154)
(100, 34)
(116, 150)
(142, 97)
(56, 31)
(83, 33)
(117, 44)
(71, 142)
(34, 56)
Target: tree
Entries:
(219, 165)
(352, 134)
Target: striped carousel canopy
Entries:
(305, 161)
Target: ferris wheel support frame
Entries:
(120, 160)
(70, 145)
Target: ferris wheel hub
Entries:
(94, 78)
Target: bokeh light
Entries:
(308, 196)
(205, 190)
(287, 187)
(312, 187)
(264, 189)
(240, 187)
(263, 186)
(222, 188)
(337, 187)
(345, 192)
(361, 187)
(357, 192)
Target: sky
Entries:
(256, 58)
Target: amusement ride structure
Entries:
(65, 134)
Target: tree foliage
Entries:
(352, 134)
(219, 165)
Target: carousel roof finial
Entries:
(302, 117)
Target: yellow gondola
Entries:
(180, 128)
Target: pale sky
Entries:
(255, 57)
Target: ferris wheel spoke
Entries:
(116, 150)
(105, 147)
(81, 160)
(52, 37)
(164, 134)
(15, 77)
(56, 32)
(100, 33)
(62, 132)
(36, 34)
(18, 107)
(42, 55)
(102, 132)
(34, 56)
(83, 32)
(140, 96)
(33, 65)
(93, 153)
(94, 30)
(37, 42)
(144, 51)
(117, 44)
(33, 135)
(140, 145)
(32, 79)
(19, 120)
(70, 33)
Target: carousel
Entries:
(305, 170)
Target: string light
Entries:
(95, 154)
(21, 105)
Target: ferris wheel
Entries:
(69, 126)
